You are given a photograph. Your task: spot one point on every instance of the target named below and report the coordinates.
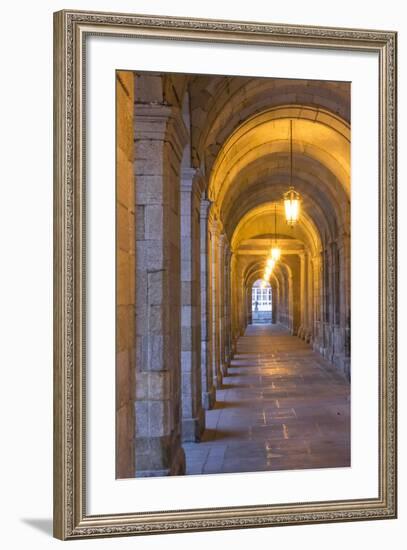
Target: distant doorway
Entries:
(261, 302)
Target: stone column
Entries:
(234, 298)
(301, 329)
(331, 303)
(193, 416)
(310, 300)
(316, 269)
(227, 310)
(344, 252)
(222, 253)
(291, 303)
(242, 304)
(125, 276)
(249, 316)
(324, 297)
(214, 303)
(274, 303)
(305, 306)
(160, 137)
(208, 389)
(280, 299)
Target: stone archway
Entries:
(211, 165)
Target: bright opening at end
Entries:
(261, 302)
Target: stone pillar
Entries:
(125, 276)
(242, 304)
(222, 254)
(284, 317)
(335, 337)
(208, 389)
(193, 416)
(310, 299)
(160, 137)
(274, 303)
(301, 329)
(324, 296)
(234, 304)
(249, 316)
(316, 292)
(344, 253)
(227, 310)
(214, 303)
(280, 299)
(291, 303)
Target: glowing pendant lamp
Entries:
(291, 198)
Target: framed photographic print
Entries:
(225, 274)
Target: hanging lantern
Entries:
(292, 206)
(291, 197)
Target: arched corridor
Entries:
(281, 406)
(204, 165)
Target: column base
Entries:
(209, 398)
(224, 369)
(342, 363)
(219, 380)
(159, 456)
(192, 428)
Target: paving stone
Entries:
(281, 407)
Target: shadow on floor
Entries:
(40, 524)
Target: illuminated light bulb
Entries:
(271, 262)
(275, 254)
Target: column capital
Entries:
(205, 207)
(200, 183)
(158, 122)
(214, 227)
(187, 179)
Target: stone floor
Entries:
(282, 407)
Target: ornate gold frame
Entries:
(70, 518)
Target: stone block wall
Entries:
(125, 276)
(159, 140)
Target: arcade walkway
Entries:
(282, 406)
